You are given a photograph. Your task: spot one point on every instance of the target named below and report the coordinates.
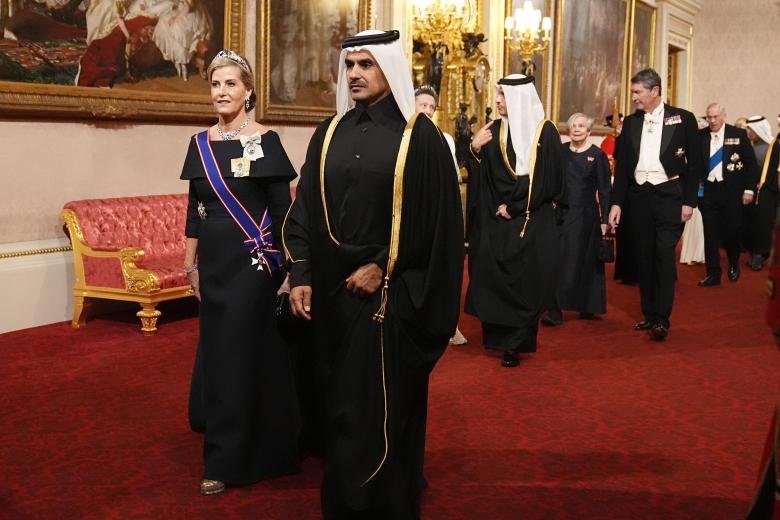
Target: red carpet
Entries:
(601, 423)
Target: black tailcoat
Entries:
(655, 221)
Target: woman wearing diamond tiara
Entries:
(242, 394)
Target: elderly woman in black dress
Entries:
(582, 286)
(242, 394)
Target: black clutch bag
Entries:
(282, 310)
(607, 249)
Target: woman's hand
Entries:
(285, 287)
(604, 229)
(194, 279)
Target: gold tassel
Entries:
(527, 218)
(379, 316)
(384, 397)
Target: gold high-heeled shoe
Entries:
(211, 487)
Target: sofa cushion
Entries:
(154, 223)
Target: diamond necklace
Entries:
(227, 136)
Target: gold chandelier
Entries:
(443, 22)
(527, 33)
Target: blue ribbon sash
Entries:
(259, 239)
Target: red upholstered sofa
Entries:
(128, 248)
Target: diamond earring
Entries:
(246, 103)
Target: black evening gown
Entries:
(242, 394)
(582, 286)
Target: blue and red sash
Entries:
(259, 238)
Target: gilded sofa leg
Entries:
(148, 315)
(80, 307)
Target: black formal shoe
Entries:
(588, 316)
(709, 281)
(756, 262)
(733, 274)
(510, 359)
(658, 332)
(643, 325)
(552, 318)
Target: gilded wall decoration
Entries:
(136, 59)
(298, 48)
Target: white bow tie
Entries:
(715, 136)
(651, 118)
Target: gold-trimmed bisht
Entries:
(325, 144)
(395, 233)
(502, 146)
(531, 168)
(765, 169)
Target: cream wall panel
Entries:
(46, 164)
(736, 60)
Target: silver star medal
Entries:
(259, 263)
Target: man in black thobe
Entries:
(515, 181)
(657, 172)
(374, 238)
(759, 221)
(729, 183)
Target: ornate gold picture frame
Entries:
(297, 56)
(174, 96)
(591, 57)
(643, 40)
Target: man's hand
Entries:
(300, 302)
(481, 138)
(503, 212)
(747, 198)
(614, 217)
(365, 280)
(687, 213)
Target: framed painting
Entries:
(590, 58)
(513, 61)
(298, 48)
(131, 59)
(643, 41)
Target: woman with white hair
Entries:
(582, 285)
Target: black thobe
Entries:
(582, 286)
(513, 278)
(760, 216)
(375, 375)
(242, 394)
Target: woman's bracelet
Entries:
(191, 269)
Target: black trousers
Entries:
(721, 211)
(655, 224)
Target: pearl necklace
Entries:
(227, 136)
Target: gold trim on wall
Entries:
(628, 57)
(285, 113)
(34, 252)
(47, 100)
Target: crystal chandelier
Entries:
(527, 33)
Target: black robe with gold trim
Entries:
(374, 374)
(512, 278)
